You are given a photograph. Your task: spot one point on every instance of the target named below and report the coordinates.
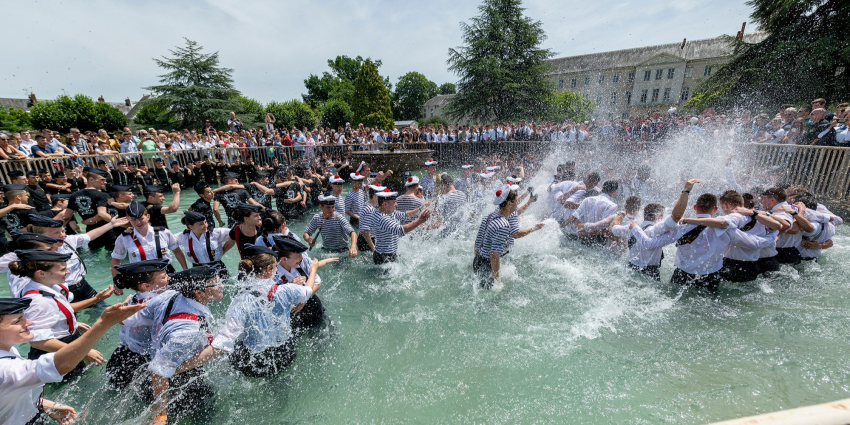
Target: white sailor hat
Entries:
(357, 177)
(377, 187)
(326, 198)
(360, 167)
(501, 195)
(430, 162)
(513, 186)
(411, 181)
(466, 166)
(337, 180)
(487, 175)
(387, 193)
(493, 167)
(514, 179)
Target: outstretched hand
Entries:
(116, 313)
(690, 183)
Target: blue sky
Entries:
(100, 47)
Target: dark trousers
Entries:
(265, 363)
(310, 316)
(788, 255)
(82, 290)
(708, 281)
(362, 245)
(189, 392)
(355, 222)
(593, 241)
(739, 271)
(653, 272)
(383, 258)
(767, 265)
(124, 365)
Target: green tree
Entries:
(338, 83)
(250, 112)
(12, 119)
(335, 113)
(293, 113)
(371, 104)
(80, 112)
(412, 91)
(804, 56)
(567, 105)
(195, 88)
(501, 65)
(448, 88)
(154, 114)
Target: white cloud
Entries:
(104, 47)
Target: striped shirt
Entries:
(354, 202)
(386, 228)
(335, 230)
(428, 185)
(493, 235)
(366, 217)
(513, 219)
(406, 203)
(339, 206)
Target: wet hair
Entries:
(593, 178)
(272, 222)
(256, 263)
(610, 187)
(132, 281)
(705, 203)
(54, 201)
(28, 268)
(808, 200)
(775, 192)
(569, 175)
(188, 288)
(632, 204)
(511, 197)
(732, 197)
(749, 200)
(225, 178)
(651, 212)
(241, 214)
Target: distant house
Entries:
(127, 107)
(435, 106)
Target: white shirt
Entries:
(48, 321)
(705, 254)
(137, 338)
(650, 240)
(198, 253)
(786, 240)
(75, 266)
(823, 231)
(21, 384)
(125, 244)
(836, 220)
(595, 208)
(16, 283)
(748, 246)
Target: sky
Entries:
(105, 47)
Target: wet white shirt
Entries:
(823, 231)
(125, 244)
(48, 319)
(595, 209)
(786, 240)
(75, 266)
(748, 245)
(196, 247)
(705, 254)
(138, 338)
(650, 240)
(21, 384)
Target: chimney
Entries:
(684, 40)
(127, 101)
(100, 99)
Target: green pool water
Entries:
(573, 338)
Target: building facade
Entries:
(635, 82)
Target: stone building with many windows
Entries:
(634, 82)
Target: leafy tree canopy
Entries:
(12, 119)
(412, 91)
(293, 113)
(567, 105)
(501, 65)
(338, 83)
(447, 88)
(79, 112)
(335, 113)
(371, 103)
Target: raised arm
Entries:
(682, 202)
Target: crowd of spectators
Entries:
(807, 125)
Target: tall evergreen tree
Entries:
(806, 55)
(411, 93)
(195, 88)
(447, 88)
(501, 65)
(371, 102)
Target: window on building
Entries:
(647, 75)
(613, 98)
(707, 72)
(643, 96)
(628, 98)
(601, 79)
(561, 84)
(666, 97)
(686, 92)
(631, 77)
(689, 72)
(573, 83)
(670, 73)
(654, 95)
(615, 79)
(659, 73)
(586, 81)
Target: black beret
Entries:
(193, 217)
(98, 171)
(151, 189)
(60, 196)
(120, 188)
(14, 305)
(249, 207)
(261, 174)
(42, 221)
(194, 278)
(200, 187)
(135, 210)
(11, 187)
(288, 244)
(41, 255)
(29, 236)
(145, 266)
(35, 173)
(231, 175)
(250, 250)
(15, 173)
